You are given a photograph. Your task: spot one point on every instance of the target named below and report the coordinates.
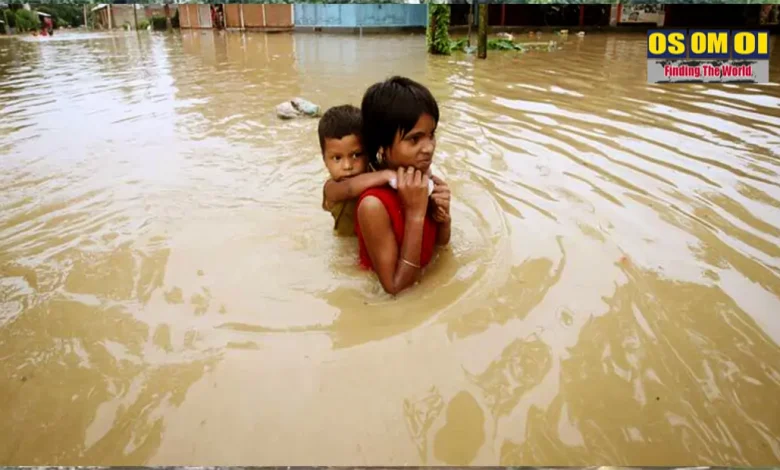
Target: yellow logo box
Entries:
(723, 44)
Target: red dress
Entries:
(392, 203)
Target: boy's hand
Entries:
(441, 200)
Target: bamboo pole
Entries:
(482, 35)
(168, 24)
(471, 21)
(135, 17)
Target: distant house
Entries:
(103, 17)
(356, 17)
(264, 17)
(118, 15)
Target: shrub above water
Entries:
(158, 23)
(26, 20)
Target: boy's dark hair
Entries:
(391, 106)
(338, 122)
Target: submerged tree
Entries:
(482, 42)
(438, 35)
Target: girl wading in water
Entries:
(399, 230)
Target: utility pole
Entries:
(471, 20)
(482, 34)
(135, 16)
(168, 24)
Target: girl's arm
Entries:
(394, 273)
(350, 188)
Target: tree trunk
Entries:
(168, 25)
(471, 21)
(438, 35)
(482, 39)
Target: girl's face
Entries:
(416, 148)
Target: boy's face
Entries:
(344, 157)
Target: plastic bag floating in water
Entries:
(297, 107)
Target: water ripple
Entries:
(610, 292)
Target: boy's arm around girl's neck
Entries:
(351, 188)
(444, 232)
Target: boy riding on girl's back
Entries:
(342, 151)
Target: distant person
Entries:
(48, 26)
(398, 230)
(342, 152)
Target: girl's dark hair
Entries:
(393, 106)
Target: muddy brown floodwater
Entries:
(171, 293)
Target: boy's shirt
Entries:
(343, 216)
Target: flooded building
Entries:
(619, 15)
(110, 16)
(264, 17)
(358, 18)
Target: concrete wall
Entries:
(233, 15)
(277, 15)
(194, 16)
(255, 16)
(123, 14)
(363, 15)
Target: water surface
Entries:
(171, 293)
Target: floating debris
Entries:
(503, 44)
(297, 107)
(505, 36)
(581, 34)
(306, 107)
(287, 111)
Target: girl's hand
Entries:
(441, 200)
(413, 191)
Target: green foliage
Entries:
(92, 19)
(158, 23)
(438, 36)
(459, 44)
(629, 2)
(504, 45)
(340, 2)
(175, 19)
(10, 18)
(143, 24)
(80, 3)
(64, 14)
(501, 44)
(26, 20)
